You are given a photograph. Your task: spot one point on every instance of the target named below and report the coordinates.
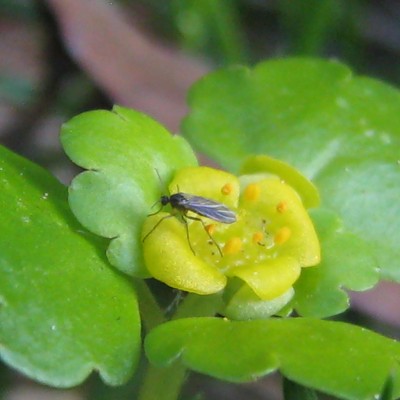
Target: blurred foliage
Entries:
(210, 26)
(226, 32)
(207, 27)
(311, 25)
(5, 380)
(294, 391)
(15, 90)
(24, 9)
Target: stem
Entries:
(166, 383)
(196, 305)
(158, 383)
(163, 383)
(150, 311)
(295, 391)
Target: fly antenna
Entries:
(158, 201)
(159, 176)
(164, 188)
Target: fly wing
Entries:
(209, 208)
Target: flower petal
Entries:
(170, 259)
(264, 164)
(270, 279)
(207, 182)
(287, 219)
(246, 305)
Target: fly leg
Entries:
(155, 226)
(187, 231)
(208, 233)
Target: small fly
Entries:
(184, 202)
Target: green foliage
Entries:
(341, 131)
(309, 23)
(64, 311)
(340, 359)
(210, 25)
(124, 152)
(347, 262)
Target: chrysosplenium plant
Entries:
(254, 261)
(211, 265)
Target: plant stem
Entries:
(295, 391)
(150, 311)
(166, 383)
(158, 383)
(163, 383)
(196, 305)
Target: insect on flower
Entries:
(184, 202)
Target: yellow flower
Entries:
(272, 239)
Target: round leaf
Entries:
(131, 159)
(341, 131)
(329, 356)
(347, 262)
(64, 311)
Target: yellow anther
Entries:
(282, 235)
(258, 237)
(281, 207)
(227, 188)
(210, 229)
(252, 192)
(233, 246)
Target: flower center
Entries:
(257, 235)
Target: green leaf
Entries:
(124, 151)
(347, 262)
(333, 357)
(341, 131)
(64, 311)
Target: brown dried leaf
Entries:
(131, 69)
